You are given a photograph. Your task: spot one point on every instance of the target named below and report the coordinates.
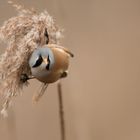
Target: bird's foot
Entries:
(24, 77)
(64, 74)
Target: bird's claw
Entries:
(64, 74)
(24, 77)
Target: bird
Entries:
(48, 64)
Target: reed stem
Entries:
(61, 112)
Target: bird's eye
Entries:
(46, 35)
(48, 65)
(38, 62)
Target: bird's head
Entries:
(42, 58)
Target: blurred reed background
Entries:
(102, 92)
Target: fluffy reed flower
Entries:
(22, 34)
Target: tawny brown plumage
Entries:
(60, 66)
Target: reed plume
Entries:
(22, 34)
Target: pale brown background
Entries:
(102, 92)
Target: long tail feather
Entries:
(41, 92)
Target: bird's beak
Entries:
(45, 60)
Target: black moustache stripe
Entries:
(38, 62)
(48, 65)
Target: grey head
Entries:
(39, 55)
